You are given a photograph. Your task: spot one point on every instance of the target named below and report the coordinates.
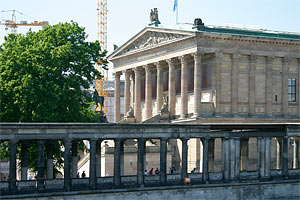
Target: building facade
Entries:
(209, 71)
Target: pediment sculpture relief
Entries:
(150, 39)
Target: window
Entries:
(292, 90)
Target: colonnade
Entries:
(158, 67)
(233, 150)
(267, 101)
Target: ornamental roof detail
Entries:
(147, 39)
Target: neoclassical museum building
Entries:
(209, 72)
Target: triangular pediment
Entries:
(149, 38)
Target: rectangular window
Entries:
(292, 90)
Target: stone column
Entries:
(232, 147)
(285, 101)
(93, 177)
(184, 158)
(172, 91)
(67, 179)
(122, 158)
(137, 95)
(285, 156)
(159, 89)
(126, 91)
(148, 90)
(268, 157)
(74, 159)
(24, 160)
(269, 87)
(140, 161)
(251, 96)
(237, 159)
(40, 175)
(117, 177)
(117, 97)
(98, 158)
(244, 154)
(278, 153)
(216, 82)
(205, 159)
(211, 147)
(163, 160)
(234, 84)
(264, 157)
(12, 166)
(225, 158)
(49, 150)
(184, 87)
(197, 84)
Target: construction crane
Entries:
(102, 84)
(13, 24)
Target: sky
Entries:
(127, 18)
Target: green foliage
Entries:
(44, 76)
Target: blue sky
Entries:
(126, 18)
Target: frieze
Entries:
(150, 39)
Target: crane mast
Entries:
(102, 84)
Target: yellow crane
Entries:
(102, 84)
(13, 24)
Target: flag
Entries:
(175, 6)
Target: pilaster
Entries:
(251, 96)
(269, 88)
(285, 101)
(216, 82)
(234, 84)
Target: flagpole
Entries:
(177, 13)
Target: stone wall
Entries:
(233, 192)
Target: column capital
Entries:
(170, 62)
(183, 59)
(158, 66)
(147, 68)
(197, 56)
(137, 69)
(117, 74)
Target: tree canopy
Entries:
(44, 75)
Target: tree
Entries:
(44, 77)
